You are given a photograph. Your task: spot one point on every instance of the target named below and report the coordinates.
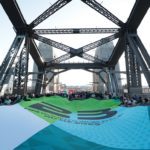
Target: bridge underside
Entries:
(136, 56)
(69, 66)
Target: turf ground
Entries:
(54, 123)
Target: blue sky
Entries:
(75, 14)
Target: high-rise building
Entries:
(103, 52)
(46, 52)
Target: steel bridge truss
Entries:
(21, 71)
(136, 56)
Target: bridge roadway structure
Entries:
(136, 56)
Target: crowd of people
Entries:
(86, 95)
(125, 100)
(10, 99)
(134, 100)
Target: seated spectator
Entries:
(129, 103)
(146, 100)
(143, 101)
(125, 101)
(7, 100)
(139, 100)
(1, 101)
(134, 102)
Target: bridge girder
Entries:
(75, 65)
(76, 31)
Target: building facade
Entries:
(103, 52)
(46, 52)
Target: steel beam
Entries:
(55, 73)
(60, 59)
(44, 85)
(35, 53)
(52, 43)
(25, 64)
(142, 49)
(103, 11)
(132, 68)
(137, 72)
(50, 79)
(114, 82)
(118, 51)
(128, 74)
(77, 31)
(17, 79)
(51, 10)
(30, 73)
(92, 58)
(9, 59)
(77, 52)
(76, 66)
(140, 59)
(98, 73)
(24, 57)
(102, 79)
(21, 73)
(137, 14)
(39, 83)
(100, 42)
(14, 13)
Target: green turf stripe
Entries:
(74, 106)
(55, 106)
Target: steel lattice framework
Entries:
(137, 57)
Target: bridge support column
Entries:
(114, 83)
(141, 55)
(21, 73)
(44, 84)
(108, 81)
(39, 82)
(133, 72)
(6, 67)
